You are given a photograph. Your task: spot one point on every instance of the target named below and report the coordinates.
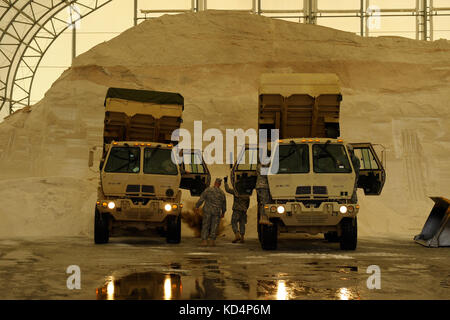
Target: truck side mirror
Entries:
(91, 158)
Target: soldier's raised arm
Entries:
(227, 188)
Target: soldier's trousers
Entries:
(210, 223)
(238, 221)
(263, 196)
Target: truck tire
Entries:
(269, 236)
(331, 236)
(349, 237)
(173, 229)
(101, 228)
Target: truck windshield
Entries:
(159, 161)
(293, 158)
(330, 158)
(124, 160)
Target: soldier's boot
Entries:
(204, 243)
(236, 237)
(212, 243)
(242, 238)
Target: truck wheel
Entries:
(349, 237)
(101, 228)
(173, 229)
(269, 236)
(331, 236)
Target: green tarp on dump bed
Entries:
(157, 97)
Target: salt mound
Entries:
(53, 206)
(396, 93)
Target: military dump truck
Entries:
(311, 175)
(139, 183)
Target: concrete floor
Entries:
(148, 268)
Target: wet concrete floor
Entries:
(148, 268)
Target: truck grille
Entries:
(140, 213)
(320, 190)
(312, 219)
(148, 189)
(133, 188)
(303, 190)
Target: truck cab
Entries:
(311, 177)
(311, 182)
(140, 180)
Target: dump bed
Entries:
(300, 104)
(141, 115)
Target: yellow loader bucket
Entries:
(436, 231)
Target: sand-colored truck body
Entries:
(139, 180)
(311, 175)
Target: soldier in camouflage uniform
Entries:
(262, 189)
(262, 186)
(214, 209)
(356, 165)
(239, 217)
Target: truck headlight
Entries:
(111, 205)
(280, 209)
(343, 209)
(168, 207)
(351, 209)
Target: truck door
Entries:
(243, 172)
(195, 175)
(372, 175)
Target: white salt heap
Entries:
(396, 93)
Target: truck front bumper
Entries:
(296, 214)
(125, 210)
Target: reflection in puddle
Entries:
(167, 288)
(291, 290)
(110, 290)
(281, 290)
(210, 282)
(146, 286)
(343, 294)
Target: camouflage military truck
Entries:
(139, 183)
(311, 188)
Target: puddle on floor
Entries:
(212, 284)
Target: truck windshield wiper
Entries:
(128, 159)
(292, 150)
(324, 148)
